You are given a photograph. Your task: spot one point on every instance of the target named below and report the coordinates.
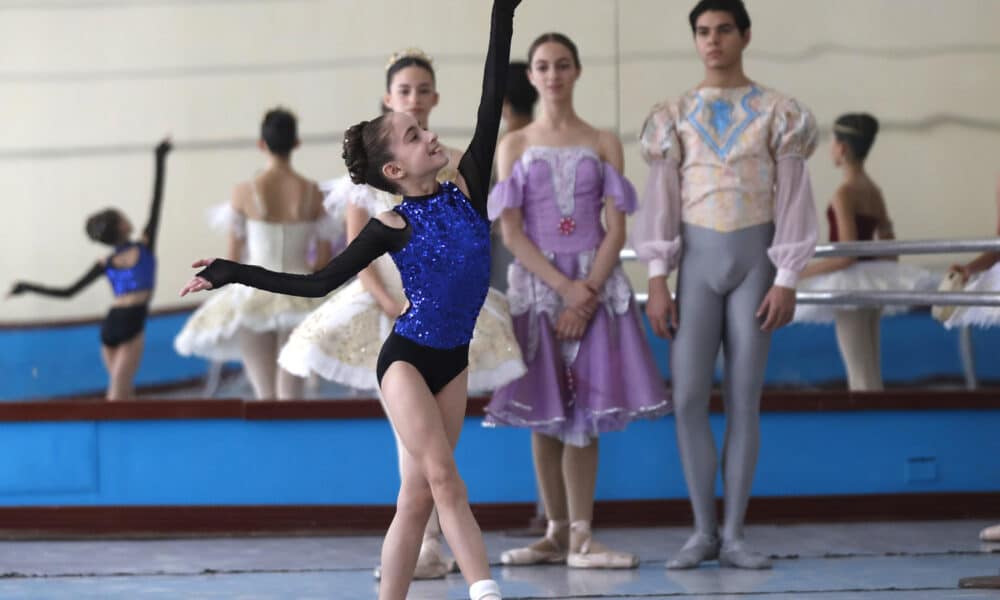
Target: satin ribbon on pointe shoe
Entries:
(534, 556)
(588, 558)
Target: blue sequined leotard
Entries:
(140, 277)
(123, 322)
(445, 268)
(443, 252)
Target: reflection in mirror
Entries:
(87, 123)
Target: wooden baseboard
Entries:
(791, 401)
(90, 320)
(158, 521)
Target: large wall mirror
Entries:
(89, 89)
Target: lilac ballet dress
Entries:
(573, 390)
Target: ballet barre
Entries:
(887, 248)
(888, 298)
(885, 298)
(898, 247)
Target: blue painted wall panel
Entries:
(354, 462)
(43, 363)
(48, 458)
(66, 361)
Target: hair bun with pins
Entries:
(366, 152)
(355, 155)
(857, 131)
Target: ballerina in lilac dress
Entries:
(590, 369)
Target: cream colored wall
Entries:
(88, 87)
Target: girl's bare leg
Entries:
(428, 428)
(124, 362)
(107, 357)
(287, 386)
(431, 562)
(260, 359)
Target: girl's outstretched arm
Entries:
(153, 224)
(374, 240)
(477, 162)
(88, 278)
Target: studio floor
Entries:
(883, 561)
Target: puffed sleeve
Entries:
(340, 193)
(222, 218)
(508, 193)
(793, 130)
(620, 189)
(793, 140)
(659, 135)
(655, 233)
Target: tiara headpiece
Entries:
(845, 129)
(408, 53)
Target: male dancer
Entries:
(728, 202)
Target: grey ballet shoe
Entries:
(736, 555)
(699, 548)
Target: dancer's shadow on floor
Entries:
(711, 579)
(559, 580)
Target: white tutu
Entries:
(211, 331)
(867, 276)
(342, 339)
(978, 316)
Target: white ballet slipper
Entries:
(990, 534)
(485, 589)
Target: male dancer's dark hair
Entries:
(733, 7)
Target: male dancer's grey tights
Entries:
(723, 279)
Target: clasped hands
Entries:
(580, 300)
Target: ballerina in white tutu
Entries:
(979, 275)
(982, 274)
(273, 220)
(340, 341)
(857, 213)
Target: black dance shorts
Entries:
(122, 324)
(437, 367)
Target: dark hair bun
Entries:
(104, 226)
(355, 155)
(280, 131)
(857, 131)
(366, 152)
